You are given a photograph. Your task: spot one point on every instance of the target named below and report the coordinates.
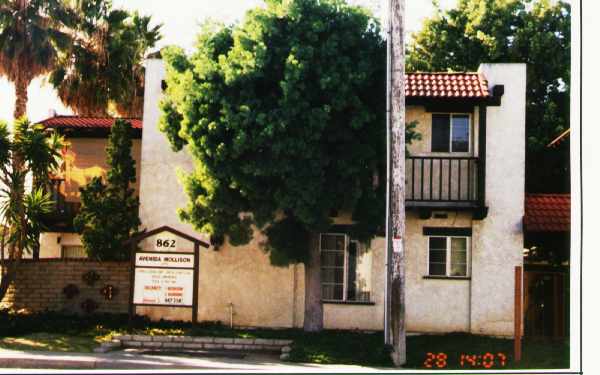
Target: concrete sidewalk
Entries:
(130, 360)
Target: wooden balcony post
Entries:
(482, 155)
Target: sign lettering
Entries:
(164, 260)
(163, 286)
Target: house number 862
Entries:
(160, 243)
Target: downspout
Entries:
(231, 315)
(388, 247)
(294, 292)
(469, 326)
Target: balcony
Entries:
(61, 218)
(434, 182)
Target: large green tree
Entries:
(22, 209)
(284, 115)
(535, 32)
(103, 70)
(109, 209)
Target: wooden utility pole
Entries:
(395, 312)
(518, 311)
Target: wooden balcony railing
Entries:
(433, 181)
(61, 218)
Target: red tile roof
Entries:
(547, 213)
(82, 122)
(445, 85)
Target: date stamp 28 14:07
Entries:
(486, 360)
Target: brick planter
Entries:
(186, 343)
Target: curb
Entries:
(54, 363)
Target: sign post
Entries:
(164, 276)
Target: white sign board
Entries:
(162, 286)
(397, 245)
(164, 260)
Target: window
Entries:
(448, 256)
(345, 269)
(450, 133)
(73, 251)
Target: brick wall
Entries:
(39, 286)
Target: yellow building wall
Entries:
(86, 159)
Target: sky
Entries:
(180, 20)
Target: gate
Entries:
(546, 303)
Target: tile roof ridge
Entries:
(426, 72)
(548, 194)
(89, 117)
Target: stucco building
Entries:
(465, 193)
(465, 204)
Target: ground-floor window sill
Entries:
(447, 277)
(349, 303)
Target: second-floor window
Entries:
(450, 132)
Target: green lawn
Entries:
(54, 342)
(55, 332)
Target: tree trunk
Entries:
(313, 307)
(397, 175)
(21, 85)
(35, 252)
(16, 248)
(7, 277)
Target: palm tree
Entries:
(31, 36)
(103, 70)
(21, 212)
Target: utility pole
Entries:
(395, 215)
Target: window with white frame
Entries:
(450, 132)
(448, 256)
(345, 269)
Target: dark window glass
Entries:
(437, 256)
(352, 253)
(440, 133)
(460, 133)
(332, 266)
(437, 269)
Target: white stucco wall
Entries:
(433, 305)
(160, 191)
(498, 240)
